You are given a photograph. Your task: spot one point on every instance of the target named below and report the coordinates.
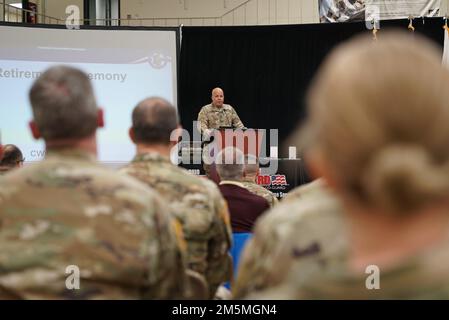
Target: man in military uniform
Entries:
(249, 180)
(196, 202)
(217, 114)
(305, 232)
(12, 158)
(213, 116)
(71, 229)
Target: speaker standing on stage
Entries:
(217, 114)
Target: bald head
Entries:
(217, 97)
(153, 121)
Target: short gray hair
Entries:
(63, 104)
(251, 164)
(230, 164)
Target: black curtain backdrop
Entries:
(265, 71)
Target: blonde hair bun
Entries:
(404, 177)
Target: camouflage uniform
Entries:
(306, 235)
(200, 208)
(315, 187)
(423, 276)
(211, 117)
(311, 215)
(68, 210)
(260, 191)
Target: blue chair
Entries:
(239, 240)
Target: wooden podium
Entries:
(249, 141)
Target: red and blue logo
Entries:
(274, 180)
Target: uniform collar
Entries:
(224, 107)
(250, 179)
(236, 183)
(151, 156)
(71, 153)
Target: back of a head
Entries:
(378, 114)
(11, 156)
(63, 104)
(251, 165)
(230, 164)
(154, 120)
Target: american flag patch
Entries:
(278, 180)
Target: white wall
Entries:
(177, 8)
(237, 12)
(444, 7)
(206, 12)
(56, 8)
(220, 12)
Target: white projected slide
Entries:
(125, 66)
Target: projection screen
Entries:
(125, 66)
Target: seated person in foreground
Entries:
(305, 231)
(72, 229)
(249, 180)
(196, 203)
(371, 142)
(12, 158)
(244, 206)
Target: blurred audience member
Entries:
(72, 229)
(244, 206)
(12, 158)
(196, 203)
(250, 174)
(305, 231)
(370, 110)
